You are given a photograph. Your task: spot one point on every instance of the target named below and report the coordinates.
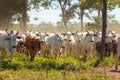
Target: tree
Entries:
(104, 27)
(63, 5)
(24, 15)
(8, 8)
(80, 8)
(12, 10)
(97, 5)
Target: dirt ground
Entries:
(106, 70)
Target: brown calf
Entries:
(32, 46)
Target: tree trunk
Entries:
(98, 17)
(98, 26)
(64, 18)
(63, 6)
(104, 27)
(24, 15)
(81, 18)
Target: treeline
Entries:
(16, 10)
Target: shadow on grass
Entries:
(116, 71)
(7, 65)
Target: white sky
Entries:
(53, 16)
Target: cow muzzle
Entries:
(63, 47)
(42, 42)
(92, 41)
(14, 46)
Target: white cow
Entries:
(73, 41)
(78, 47)
(69, 42)
(7, 43)
(88, 41)
(53, 42)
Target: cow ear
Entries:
(38, 34)
(114, 36)
(17, 33)
(63, 34)
(95, 35)
(73, 33)
(18, 37)
(47, 35)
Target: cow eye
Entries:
(7, 38)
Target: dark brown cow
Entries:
(33, 46)
(109, 47)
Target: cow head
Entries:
(90, 36)
(12, 34)
(78, 36)
(43, 36)
(68, 36)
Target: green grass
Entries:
(69, 68)
(50, 75)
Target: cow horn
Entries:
(17, 32)
(11, 32)
(6, 29)
(8, 33)
(77, 31)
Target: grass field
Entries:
(62, 68)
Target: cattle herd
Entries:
(52, 45)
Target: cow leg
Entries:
(10, 52)
(114, 53)
(27, 52)
(105, 52)
(32, 55)
(55, 55)
(1, 56)
(115, 49)
(108, 52)
(60, 52)
(117, 58)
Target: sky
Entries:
(53, 16)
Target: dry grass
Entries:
(110, 26)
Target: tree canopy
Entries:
(13, 10)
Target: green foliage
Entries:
(9, 8)
(21, 61)
(108, 61)
(62, 67)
